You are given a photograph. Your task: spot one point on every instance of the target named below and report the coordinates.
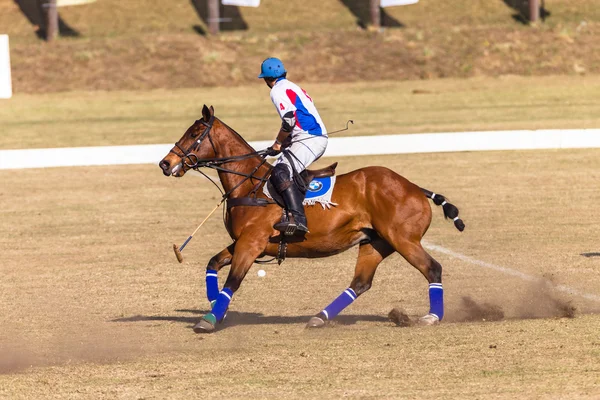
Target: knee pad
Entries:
(280, 177)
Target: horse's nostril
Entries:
(164, 164)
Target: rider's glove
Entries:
(272, 152)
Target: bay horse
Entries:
(378, 210)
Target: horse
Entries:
(377, 209)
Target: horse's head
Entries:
(195, 145)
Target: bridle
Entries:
(191, 160)
(187, 154)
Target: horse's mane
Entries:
(237, 134)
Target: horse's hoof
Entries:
(206, 324)
(429, 319)
(315, 322)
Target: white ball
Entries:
(261, 273)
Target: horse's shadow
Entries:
(235, 318)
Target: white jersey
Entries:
(289, 98)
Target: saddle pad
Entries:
(319, 191)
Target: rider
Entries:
(303, 128)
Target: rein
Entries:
(192, 161)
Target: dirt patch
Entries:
(400, 318)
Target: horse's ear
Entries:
(207, 113)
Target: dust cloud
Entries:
(18, 356)
(540, 300)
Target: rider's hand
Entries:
(272, 151)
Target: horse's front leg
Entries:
(248, 248)
(219, 261)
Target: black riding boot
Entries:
(293, 199)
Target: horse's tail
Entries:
(450, 210)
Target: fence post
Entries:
(51, 20)
(375, 14)
(213, 16)
(534, 10)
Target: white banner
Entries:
(391, 3)
(64, 3)
(241, 3)
(5, 80)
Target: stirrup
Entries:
(290, 230)
(289, 226)
(286, 228)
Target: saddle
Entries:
(310, 174)
(302, 180)
(306, 177)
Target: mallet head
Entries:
(177, 253)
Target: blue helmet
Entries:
(272, 68)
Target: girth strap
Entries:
(248, 201)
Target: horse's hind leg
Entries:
(214, 265)
(369, 257)
(414, 253)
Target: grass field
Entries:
(143, 44)
(114, 18)
(94, 304)
(116, 118)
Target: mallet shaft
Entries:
(180, 249)
(202, 223)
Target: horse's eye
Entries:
(194, 134)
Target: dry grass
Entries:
(114, 18)
(95, 305)
(114, 118)
(139, 45)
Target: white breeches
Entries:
(306, 149)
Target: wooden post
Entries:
(213, 16)
(534, 10)
(375, 14)
(51, 20)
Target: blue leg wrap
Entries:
(212, 285)
(222, 303)
(341, 302)
(436, 300)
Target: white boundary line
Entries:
(338, 147)
(508, 271)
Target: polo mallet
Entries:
(180, 249)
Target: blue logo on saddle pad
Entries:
(315, 186)
(318, 187)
